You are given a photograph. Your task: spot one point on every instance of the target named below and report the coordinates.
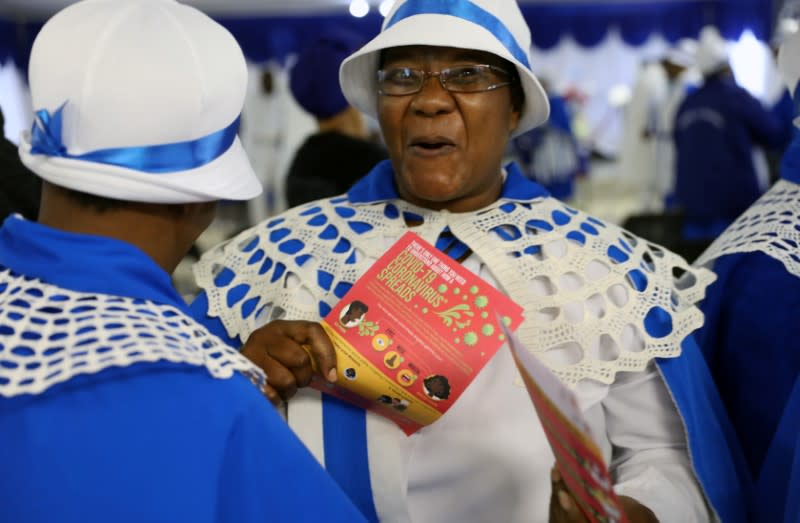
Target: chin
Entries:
(422, 187)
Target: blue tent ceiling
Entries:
(588, 22)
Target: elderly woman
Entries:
(450, 83)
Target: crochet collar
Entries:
(378, 185)
(84, 263)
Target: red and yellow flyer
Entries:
(413, 332)
(578, 457)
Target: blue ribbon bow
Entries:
(155, 159)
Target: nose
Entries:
(433, 98)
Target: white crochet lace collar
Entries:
(597, 300)
(49, 335)
(771, 225)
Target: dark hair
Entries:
(517, 93)
(437, 381)
(94, 202)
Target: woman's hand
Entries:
(290, 352)
(564, 508)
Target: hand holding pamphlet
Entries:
(578, 457)
(413, 332)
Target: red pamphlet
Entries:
(578, 457)
(413, 332)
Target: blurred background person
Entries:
(339, 153)
(550, 154)
(19, 187)
(680, 66)
(637, 158)
(717, 128)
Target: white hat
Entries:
(786, 27)
(683, 53)
(138, 101)
(712, 53)
(494, 26)
(789, 62)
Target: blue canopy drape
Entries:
(265, 38)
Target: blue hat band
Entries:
(154, 159)
(465, 10)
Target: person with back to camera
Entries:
(718, 130)
(339, 153)
(751, 338)
(115, 406)
(451, 83)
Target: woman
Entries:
(750, 337)
(450, 83)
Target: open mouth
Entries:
(432, 145)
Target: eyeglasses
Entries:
(401, 81)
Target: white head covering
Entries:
(494, 26)
(789, 61)
(138, 101)
(712, 53)
(786, 27)
(683, 53)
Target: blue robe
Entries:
(716, 128)
(751, 341)
(153, 441)
(779, 482)
(712, 443)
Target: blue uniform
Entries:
(716, 128)
(712, 445)
(779, 483)
(751, 340)
(151, 441)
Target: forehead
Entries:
(423, 54)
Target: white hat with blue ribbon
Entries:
(138, 101)
(493, 26)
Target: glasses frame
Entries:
(442, 74)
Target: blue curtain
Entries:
(276, 37)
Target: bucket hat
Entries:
(712, 52)
(138, 101)
(493, 26)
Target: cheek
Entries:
(488, 125)
(390, 119)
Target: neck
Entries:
(349, 122)
(150, 227)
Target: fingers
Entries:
(563, 508)
(272, 395)
(281, 379)
(289, 352)
(321, 350)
